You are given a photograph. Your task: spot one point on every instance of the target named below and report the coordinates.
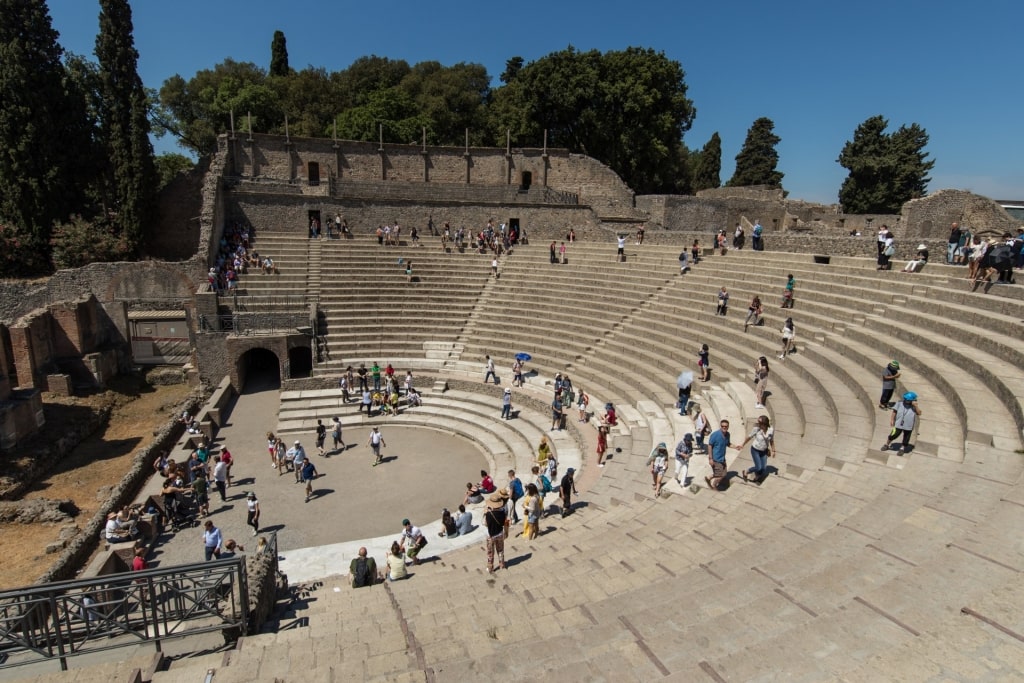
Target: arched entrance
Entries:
(300, 362)
(258, 370)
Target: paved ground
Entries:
(424, 471)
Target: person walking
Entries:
(212, 541)
(557, 413)
(904, 418)
(788, 293)
(336, 434)
(506, 404)
(718, 443)
(531, 512)
(788, 335)
(602, 444)
(489, 370)
(701, 428)
(376, 442)
(762, 446)
(308, 473)
(761, 373)
(321, 437)
(367, 401)
(252, 517)
(220, 477)
(704, 362)
(890, 373)
(566, 490)
(298, 458)
(684, 451)
(515, 492)
(658, 463)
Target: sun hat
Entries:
(508, 390)
(297, 443)
(497, 500)
(921, 246)
(250, 494)
(910, 396)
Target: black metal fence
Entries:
(71, 618)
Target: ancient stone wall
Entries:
(299, 159)
(932, 216)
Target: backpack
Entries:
(517, 488)
(361, 575)
(545, 484)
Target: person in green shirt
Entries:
(375, 371)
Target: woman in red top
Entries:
(602, 444)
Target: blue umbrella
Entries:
(523, 357)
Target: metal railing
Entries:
(72, 618)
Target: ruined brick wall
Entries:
(932, 216)
(269, 156)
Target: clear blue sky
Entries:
(817, 69)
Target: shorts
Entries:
(718, 469)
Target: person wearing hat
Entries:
(658, 462)
(506, 404)
(297, 456)
(904, 417)
(918, 263)
(889, 375)
(376, 442)
(684, 451)
(413, 541)
(566, 489)
(495, 516)
(117, 532)
(253, 512)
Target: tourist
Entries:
(917, 264)
(787, 293)
(955, 234)
(762, 446)
(489, 370)
(413, 541)
(761, 373)
(308, 473)
(704, 363)
(212, 540)
(904, 417)
(376, 442)
(738, 238)
(684, 261)
(683, 397)
(252, 516)
(494, 267)
(557, 414)
(543, 485)
(321, 437)
(788, 335)
(515, 490)
(695, 252)
(610, 417)
(517, 373)
(640, 234)
(117, 531)
(336, 434)
(621, 255)
(757, 241)
(890, 373)
(566, 491)
(701, 428)
(495, 517)
(463, 521)
(684, 451)
(298, 458)
(718, 443)
(602, 444)
(561, 254)
(658, 463)
(228, 460)
(753, 312)
(582, 404)
(414, 237)
(883, 233)
(887, 252)
(395, 563)
(448, 527)
(363, 373)
(220, 477)
(544, 452)
(160, 464)
(272, 448)
(531, 512)
(363, 570)
(506, 404)
(139, 561)
(375, 373)
(201, 493)
(413, 398)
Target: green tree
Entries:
(885, 170)
(708, 169)
(79, 242)
(394, 109)
(512, 68)
(756, 162)
(626, 108)
(41, 133)
(279, 55)
(125, 124)
(170, 165)
(453, 98)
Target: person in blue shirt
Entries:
(718, 442)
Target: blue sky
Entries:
(817, 69)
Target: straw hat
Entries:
(497, 500)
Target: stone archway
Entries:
(258, 369)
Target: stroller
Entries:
(180, 513)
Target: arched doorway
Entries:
(258, 370)
(300, 362)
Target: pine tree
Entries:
(125, 126)
(279, 55)
(36, 185)
(885, 170)
(756, 162)
(707, 173)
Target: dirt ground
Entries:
(98, 462)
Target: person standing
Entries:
(375, 373)
(788, 293)
(506, 404)
(890, 373)
(220, 477)
(954, 241)
(489, 370)
(413, 541)
(602, 444)
(788, 335)
(684, 398)
(762, 446)
(531, 512)
(566, 490)
(761, 373)
(552, 255)
(701, 428)
(212, 540)
(308, 473)
(298, 458)
(904, 417)
(515, 491)
(556, 412)
(228, 460)
(495, 516)
(658, 463)
(561, 253)
(252, 514)
(718, 443)
(376, 442)
(582, 404)
(684, 451)
(321, 437)
(621, 256)
(704, 362)
(758, 242)
(363, 377)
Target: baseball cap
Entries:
(570, 471)
(405, 522)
